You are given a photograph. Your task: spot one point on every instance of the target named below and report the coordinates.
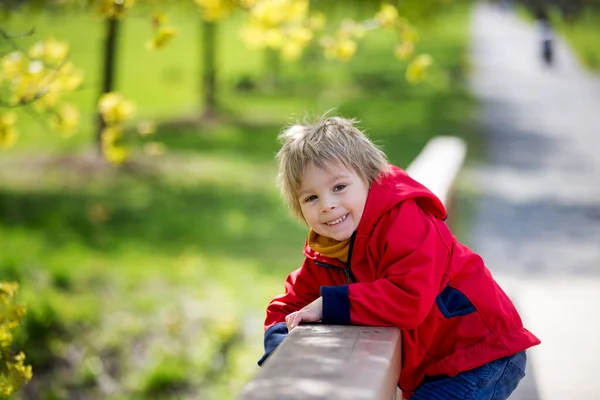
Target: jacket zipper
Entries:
(348, 272)
(350, 278)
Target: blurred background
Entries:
(138, 208)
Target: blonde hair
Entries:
(329, 140)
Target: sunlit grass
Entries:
(582, 34)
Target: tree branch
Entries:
(11, 38)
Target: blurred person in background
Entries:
(546, 36)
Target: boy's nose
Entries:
(325, 208)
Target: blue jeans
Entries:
(492, 381)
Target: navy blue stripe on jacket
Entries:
(273, 337)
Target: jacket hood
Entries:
(391, 188)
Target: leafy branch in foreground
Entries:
(13, 371)
(38, 77)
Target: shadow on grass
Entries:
(228, 135)
(400, 118)
(150, 213)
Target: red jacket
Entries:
(406, 269)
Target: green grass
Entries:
(151, 281)
(582, 34)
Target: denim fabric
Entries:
(493, 381)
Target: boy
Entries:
(378, 253)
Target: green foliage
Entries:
(582, 34)
(168, 376)
(424, 11)
(13, 371)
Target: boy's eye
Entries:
(337, 188)
(310, 198)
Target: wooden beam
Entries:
(331, 362)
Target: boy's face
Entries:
(332, 200)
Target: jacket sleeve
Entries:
(301, 288)
(414, 260)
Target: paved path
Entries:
(538, 221)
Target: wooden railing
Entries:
(352, 362)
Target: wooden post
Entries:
(331, 362)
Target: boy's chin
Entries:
(340, 237)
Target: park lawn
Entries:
(151, 280)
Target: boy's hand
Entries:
(311, 313)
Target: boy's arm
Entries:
(301, 288)
(414, 260)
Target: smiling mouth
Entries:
(336, 221)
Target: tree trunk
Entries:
(209, 64)
(108, 73)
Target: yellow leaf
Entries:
(35, 69)
(214, 10)
(158, 19)
(110, 135)
(274, 38)
(8, 136)
(65, 120)
(291, 51)
(253, 36)
(297, 10)
(248, 3)
(327, 42)
(145, 128)
(162, 37)
(404, 50)
(9, 288)
(114, 8)
(409, 34)
(68, 78)
(300, 35)
(316, 21)
(351, 28)
(47, 101)
(13, 64)
(116, 155)
(269, 12)
(226, 327)
(112, 151)
(37, 50)
(344, 50)
(50, 51)
(114, 108)
(154, 148)
(387, 16)
(417, 68)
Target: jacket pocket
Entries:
(453, 303)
